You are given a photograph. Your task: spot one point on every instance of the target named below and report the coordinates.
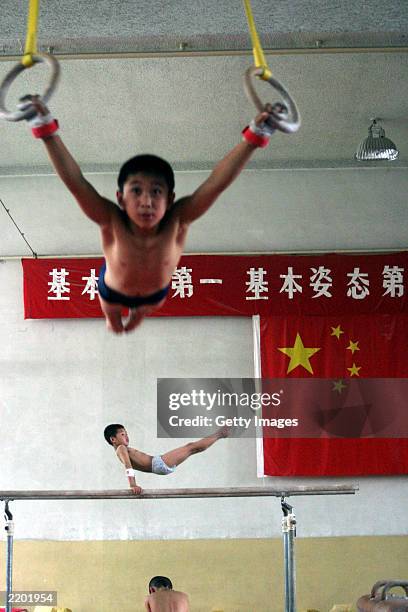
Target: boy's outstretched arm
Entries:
(97, 208)
(123, 454)
(225, 172)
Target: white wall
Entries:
(264, 210)
(62, 381)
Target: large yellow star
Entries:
(354, 370)
(353, 347)
(337, 331)
(299, 355)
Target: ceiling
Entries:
(167, 77)
(105, 26)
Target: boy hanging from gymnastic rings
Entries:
(143, 237)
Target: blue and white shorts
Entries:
(160, 467)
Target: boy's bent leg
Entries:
(178, 455)
(113, 316)
(136, 316)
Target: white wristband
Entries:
(36, 119)
(264, 129)
(40, 120)
(130, 472)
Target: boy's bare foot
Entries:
(114, 323)
(136, 316)
(224, 432)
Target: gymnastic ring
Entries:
(12, 75)
(277, 120)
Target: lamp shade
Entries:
(376, 145)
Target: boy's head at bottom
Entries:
(159, 582)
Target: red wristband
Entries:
(42, 131)
(254, 139)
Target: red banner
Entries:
(339, 348)
(233, 285)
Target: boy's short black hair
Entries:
(160, 582)
(147, 164)
(111, 430)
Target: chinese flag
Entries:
(337, 348)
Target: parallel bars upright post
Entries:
(9, 528)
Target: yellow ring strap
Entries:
(30, 48)
(259, 57)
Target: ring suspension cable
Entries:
(30, 48)
(257, 50)
(18, 229)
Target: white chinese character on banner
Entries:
(358, 285)
(59, 284)
(91, 286)
(290, 286)
(321, 282)
(257, 284)
(181, 282)
(393, 281)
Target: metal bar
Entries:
(287, 571)
(289, 533)
(292, 570)
(9, 528)
(337, 489)
(185, 53)
(9, 571)
(290, 567)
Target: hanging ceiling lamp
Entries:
(376, 145)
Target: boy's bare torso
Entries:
(166, 600)
(140, 264)
(139, 460)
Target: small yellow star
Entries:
(338, 385)
(337, 331)
(354, 370)
(299, 355)
(353, 347)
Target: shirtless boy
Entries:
(135, 460)
(162, 598)
(143, 237)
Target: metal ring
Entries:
(276, 120)
(12, 75)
